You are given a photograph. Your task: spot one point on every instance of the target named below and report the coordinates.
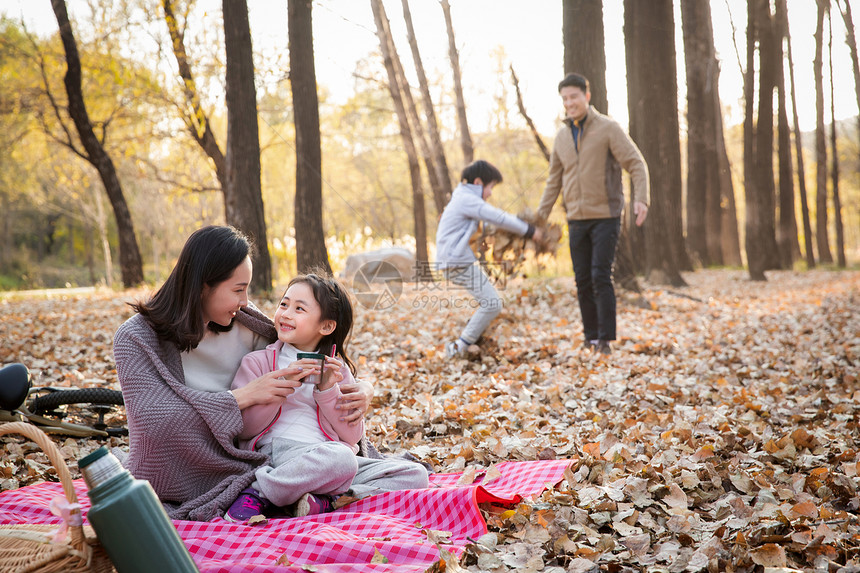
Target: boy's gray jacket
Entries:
(460, 221)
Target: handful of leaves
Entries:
(508, 250)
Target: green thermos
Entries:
(130, 521)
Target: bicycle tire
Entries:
(97, 396)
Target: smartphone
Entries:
(313, 378)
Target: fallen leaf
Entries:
(676, 499)
(769, 555)
(637, 544)
(258, 520)
(805, 509)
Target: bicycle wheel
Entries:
(93, 407)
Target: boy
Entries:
(454, 256)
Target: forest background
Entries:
(721, 436)
(58, 230)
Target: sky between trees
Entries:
(530, 39)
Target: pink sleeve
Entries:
(255, 418)
(329, 415)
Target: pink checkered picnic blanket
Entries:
(391, 524)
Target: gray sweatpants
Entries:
(487, 302)
(330, 468)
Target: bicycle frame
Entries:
(16, 387)
(49, 425)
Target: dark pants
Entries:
(592, 250)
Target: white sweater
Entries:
(460, 220)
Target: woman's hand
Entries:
(271, 387)
(355, 401)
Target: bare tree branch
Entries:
(157, 175)
(195, 117)
(70, 140)
(528, 119)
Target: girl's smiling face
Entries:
(299, 319)
(223, 301)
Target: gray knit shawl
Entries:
(180, 439)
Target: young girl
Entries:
(311, 448)
(175, 360)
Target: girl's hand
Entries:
(332, 374)
(271, 387)
(355, 401)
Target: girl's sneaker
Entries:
(249, 503)
(312, 504)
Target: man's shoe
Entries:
(313, 504)
(588, 346)
(603, 347)
(249, 504)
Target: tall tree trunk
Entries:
(787, 243)
(91, 261)
(834, 172)
(755, 249)
(131, 264)
(70, 229)
(821, 236)
(418, 211)
(704, 214)
(439, 161)
(154, 241)
(650, 50)
(730, 238)
(5, 230)
(789, 248)
(584, 46)
(798, 150)
(243, 195)
(851, 40)
(103, 239)
(311, 251)
(465, 135)
(769, 60)
(439, 193)
(195, 117)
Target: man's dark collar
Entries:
(570, 120)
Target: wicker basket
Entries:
(30, 548)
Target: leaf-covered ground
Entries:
(720, 435)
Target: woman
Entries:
(175, 361)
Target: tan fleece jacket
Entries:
(590, 179)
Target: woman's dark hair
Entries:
(209, 257)
(574, 81)
(486, 171)
(335, 305)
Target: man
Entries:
(587, 157)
